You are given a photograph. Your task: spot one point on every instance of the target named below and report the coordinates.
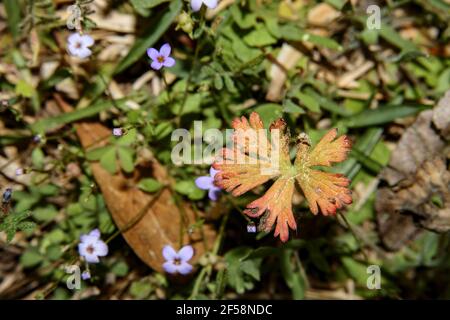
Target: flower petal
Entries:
(95, 233)
(170, 267)
(186, 253)
(74, 51)
(84, 53)
(153, 53)
(210, 3)
(169, 62)
(101, 248)
(214, 193)
(169, 253)
(74, 37)
(213, 172)
(165, 50)
(91, 258)
(204, 182)
(156, 65)
(82, 249)
(184, 268)
(87, 40)
(196, 5)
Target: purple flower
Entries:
(78, 44)
(207, 183)
(37, 138)
(161, 58)
(177, 261)
(86, 275)
(117, 132)
(19, 171)
(196, 4)
(251, 227)
(91, 247)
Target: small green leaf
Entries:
(140, 289)
(189, 189)
(97, 153)
(269, 112)
(120, 269)
(291, 271)
(45, 213)
(37, 158)
(126, 156)
(149, 185)
(162, 130)
(128, 139)
(308, 101)
(229, 83)
(290, 107)
(30, 258)
(24, 89)
(12, 8)
(218, 82)
(259, 37)
(26, 226)
(108, 161)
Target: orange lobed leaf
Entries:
(325, 191)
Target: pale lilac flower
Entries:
(19, 171)
(162, 57)
(207, 183)
(86, 275)
(177, 261)
(197, 4)
(251, 227)
(91, 247)
(117, 132)
(78, 45)
(37, 138)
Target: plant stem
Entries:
(207, 269)
(355, 235)
(191, 72)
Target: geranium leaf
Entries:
(256, 156)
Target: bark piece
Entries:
(416, 175)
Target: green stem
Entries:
(191, 72)
(207, 269)
(355, 235)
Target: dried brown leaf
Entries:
(158, 219)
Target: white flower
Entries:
(91, 247)
(117, 132)
(197, 4)
(177, 261)
(78, 45)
